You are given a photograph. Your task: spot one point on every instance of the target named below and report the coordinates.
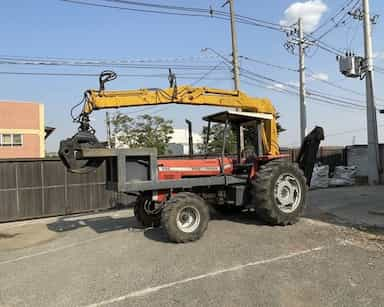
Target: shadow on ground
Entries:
(100, 224)
(109, 223)
(340, 207)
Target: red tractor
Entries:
(177, 193)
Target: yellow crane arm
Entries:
(102, 99)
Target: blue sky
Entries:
(51, 28)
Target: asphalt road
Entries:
(107, 260)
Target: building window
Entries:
(8, 140)
(17, 140)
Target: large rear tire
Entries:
(185, 217)
(278, 192)
(146, 212)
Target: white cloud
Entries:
(310, 11)
(320, 76)
(277, 86)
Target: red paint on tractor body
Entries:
(187, 168)
(178, 169)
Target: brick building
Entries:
(22, 130)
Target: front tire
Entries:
(278, 192)
(185, 217)
(146, 212)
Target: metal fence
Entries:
(39, 188)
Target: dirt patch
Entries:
(361, 238)
(367, 237)
(25, 236)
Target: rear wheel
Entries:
(185, 217)
(278, 192)
(147, 212)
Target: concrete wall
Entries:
(357, 155)
(27, 119)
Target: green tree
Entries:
(142, 131)
(216, 138)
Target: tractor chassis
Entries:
(136, 170)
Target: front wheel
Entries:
(147, 212)
(185, 217)
(278, 192)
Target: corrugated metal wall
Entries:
(38, 188)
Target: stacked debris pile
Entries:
(342, 176)
(320, 177)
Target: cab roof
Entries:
(237, 117)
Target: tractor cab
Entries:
(248, 123)
(236, 123)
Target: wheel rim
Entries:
(150, 207)
(287, 193)
(188, 219)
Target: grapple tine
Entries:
(70, 147)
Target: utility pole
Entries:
(108, 126)
(235, 56)
(296, 38)
(303, 107)
(374, 164)
(235, 62)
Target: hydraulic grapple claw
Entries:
(70, 148)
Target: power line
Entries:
(334, 99)
(266, 81)
(53, 74)
(264, 78)
(314, 92)
(111, 64)
(204, 76)
(315, 98)
(210, 11)
(132, 9)
(318, 94)
(341, 21)
(330, 83)
(182, 11)
(330, 19)
(161, 6)
(349, 131)
(326, 47)
(115, 61)
(269, 64)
